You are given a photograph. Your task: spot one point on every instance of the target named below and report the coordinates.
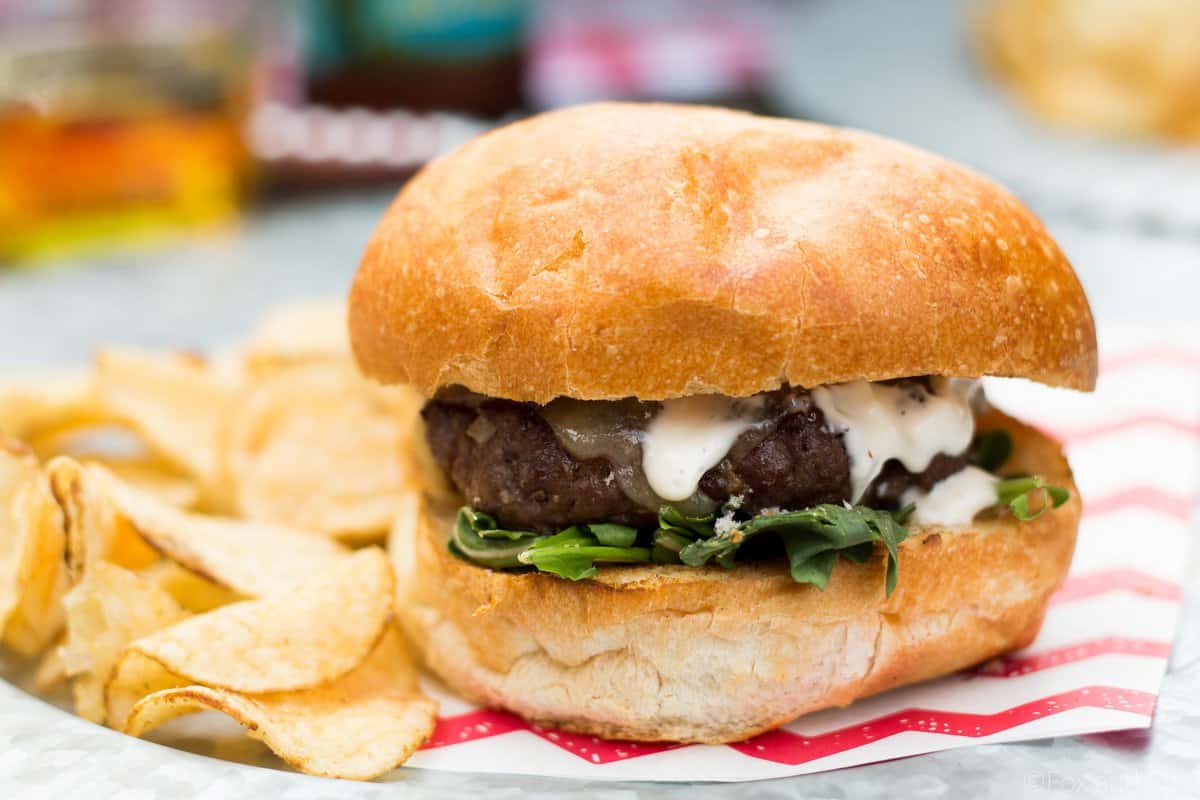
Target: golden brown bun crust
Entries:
(710, 655)
(655, 251)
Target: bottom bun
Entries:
(674, 653)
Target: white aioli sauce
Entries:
(955, 500)
(688, 437)
(880, 422)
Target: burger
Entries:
(704, 446)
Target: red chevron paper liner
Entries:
(1078, 587)
(1121, 671)
(1073, 435)
(484, 723)
(786, 747)
(1025, 663)
(1147, 497)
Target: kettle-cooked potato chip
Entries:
(360, 726)
(38, 404)
(36, 619)
(51, 671)
(32, 578)
(96, 530)
(401, 547)
(319, 447)
(124, 454)
(110, 608)
(296, 638)
(193, 592)
(109, 520)
(251, 558)
(152, 476)
(299, 333)
(17, 467)
(176, 401)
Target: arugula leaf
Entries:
(990, 450)
(699, 552)
(615, 535)
(476, 538)
(571, 553)
(671, 519)
(1015, 492)
(573, 535)
(814, 568)
(812, 538)
(575, 560)
(667, 544)
(859, 553)
(485, 525)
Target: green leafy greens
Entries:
(1015, 493)
(477, 538)
(991, 449)
(572, 553)
(812, 539)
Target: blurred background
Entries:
(170, 167)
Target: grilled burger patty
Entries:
(507, 461)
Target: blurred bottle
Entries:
(119, 118)
(419, 55)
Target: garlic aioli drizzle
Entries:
(954, 500)
(880, 421)
(688, 437)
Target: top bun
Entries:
(656, 251)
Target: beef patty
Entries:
(507, 461)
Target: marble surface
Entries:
(207, 290)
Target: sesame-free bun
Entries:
(674, 653)
(656, 251)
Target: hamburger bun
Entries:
(673, 653)
(656, 251)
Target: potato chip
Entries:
(190, 590)
(32, 578)
(360, 726)
(95, 528)
(105, 439)
(37, 404)
(51, 671)
(109, 609)
(175, 401)
(41, 578)
(296, 638)
(299, 333)
(122, 452)
(251, 558)
(401, 543)
(153, 477)
(319, 448)
(425, 474)
(17, 467)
